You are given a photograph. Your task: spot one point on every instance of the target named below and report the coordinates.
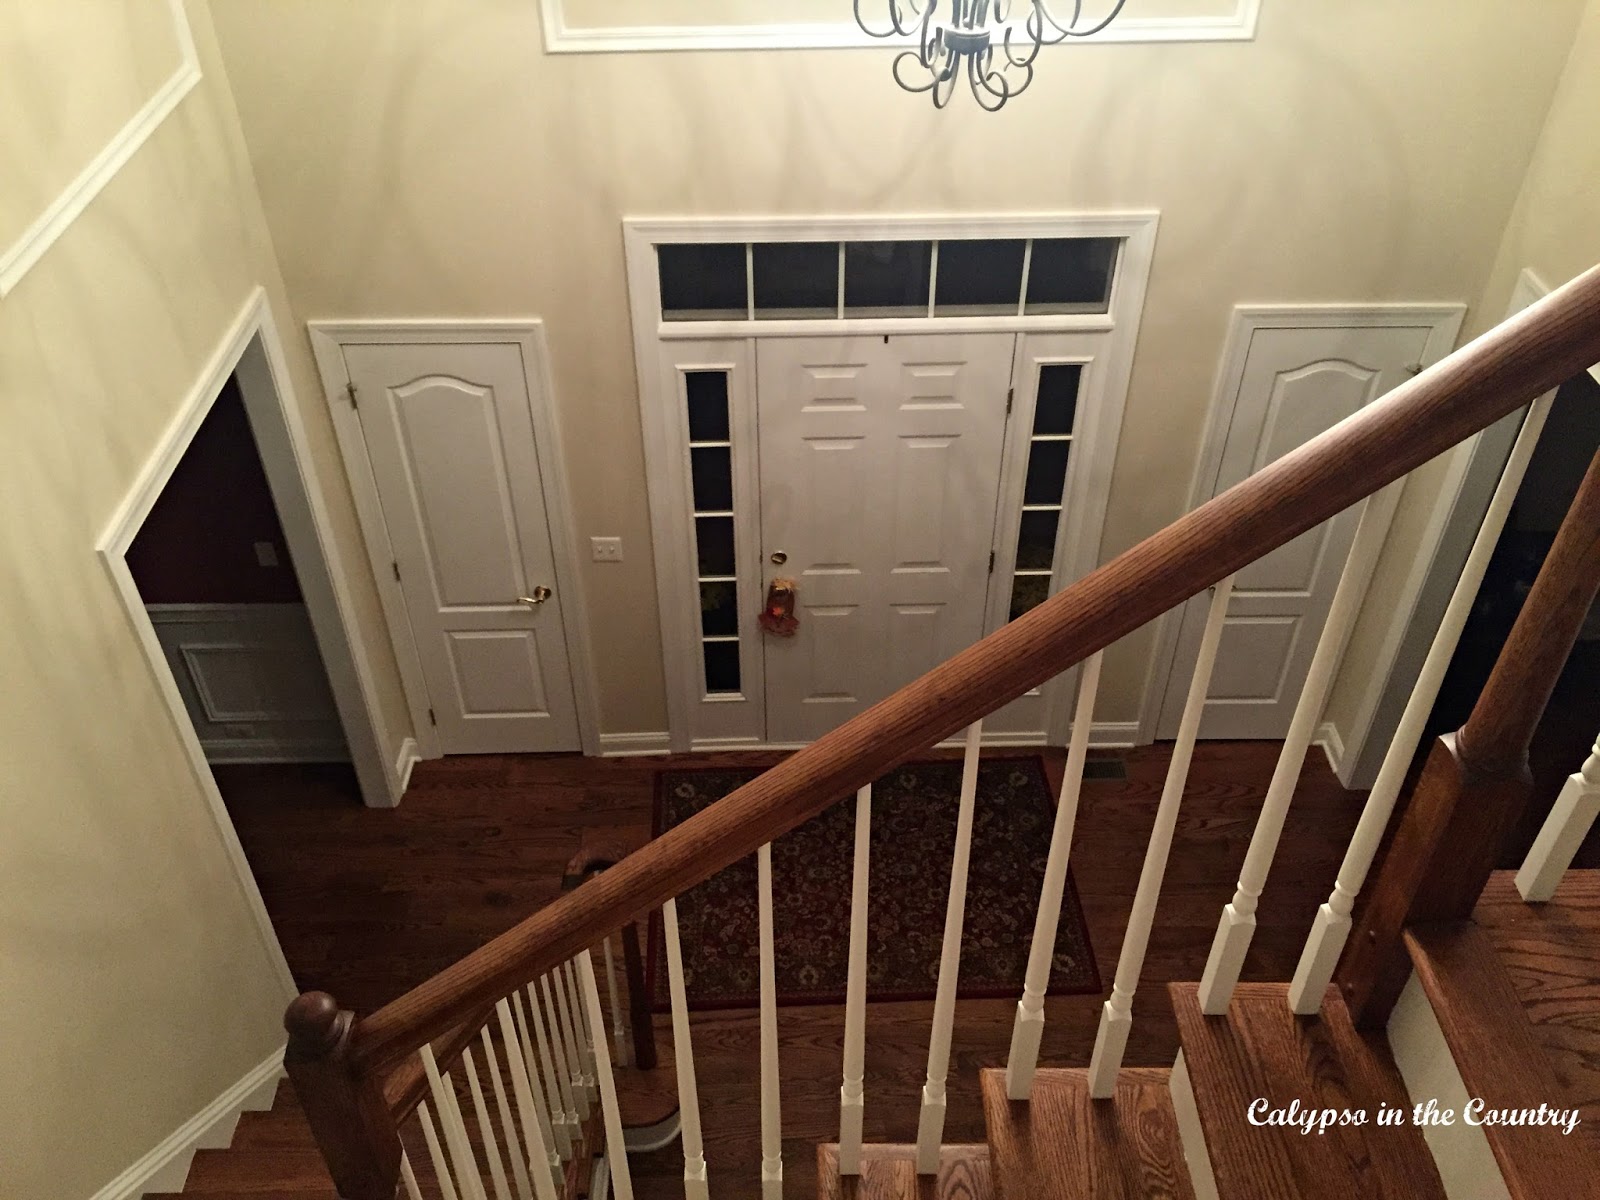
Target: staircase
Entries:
(1443, 987)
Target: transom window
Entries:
(809, 280)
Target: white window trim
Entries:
(562, 37)
(666, 452)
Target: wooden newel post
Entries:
(1475, 784)
(348, 1115)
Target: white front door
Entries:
(449, 433)
(1296, 383)
(880, 466)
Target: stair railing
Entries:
(353, 1075)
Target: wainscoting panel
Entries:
(252, 681)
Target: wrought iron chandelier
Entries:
(976, 38)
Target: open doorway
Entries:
(1561, 742)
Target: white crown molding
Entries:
(561, 37)
(18, 258)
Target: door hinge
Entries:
(350, 390)
(1011, 395)
(991, 562)
(432, 720)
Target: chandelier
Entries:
(976, 38)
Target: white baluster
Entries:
(455, 1129)
(409, 1178)
(1116, 1018)
(1563, 832)
(616, 1147)
(1028, 1030)
(544, 1167)
(491, 1147)
(619, 1032)
(561, 1015)
(1238, 924)
(1332, 925)
(542, 1109)
(430, 1135)
(771, 1114)
(585, 1028)
(562, 1113)
(852, 1093)
(695, 1186)
(930, 1121)
(519, 1164)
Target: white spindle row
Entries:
(930, 1121)
(1563, 832)
(695, 1185)
(1116, 1019)
(1238, 924)
(1028, 1030)
(1332, 925)
(536, 1125)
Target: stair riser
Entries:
(1192, 1134)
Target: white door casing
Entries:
(449, 435)
(1287, 380)
(880, 463)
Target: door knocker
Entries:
(777, 614)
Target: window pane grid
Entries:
(711, 486)
(1044, 488)
(822, 280)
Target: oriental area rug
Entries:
(913, 835)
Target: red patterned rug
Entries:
(913, 836)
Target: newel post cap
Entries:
(317, 1026)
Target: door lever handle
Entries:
(540, 595)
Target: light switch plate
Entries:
(606, 549)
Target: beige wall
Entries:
(425, 158)
(134, 986)
(1552, 230)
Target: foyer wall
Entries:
(135, 986)
(426, 158)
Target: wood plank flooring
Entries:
(369, 903)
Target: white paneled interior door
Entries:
(1296, 383)
(450, 437)
(880, 466)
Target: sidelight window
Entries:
(711, 485)
(1044, 488)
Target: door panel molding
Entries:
(1442, 323)
(527, 335)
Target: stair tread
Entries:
(889, 1172)
(1551, 952)
(1497, 1052)
(266, 1168)
(1060, 1143)
(1260, 1049)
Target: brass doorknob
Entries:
(779, 558)
(540, 595)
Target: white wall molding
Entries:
(1332, 744)
(527, 334)
(633, 745)
(405, 762)
(18, 258)
(1445, 319)
(562, 36)
(165, 1166)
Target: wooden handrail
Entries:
(1539, 349)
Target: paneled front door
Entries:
(449, 433)
(880, 467)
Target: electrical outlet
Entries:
(606, 549)
(266, 554)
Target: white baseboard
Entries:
(630, 745)
(404, 762)
(165, 1167)
(1332, 747)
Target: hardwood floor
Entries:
(369, 903)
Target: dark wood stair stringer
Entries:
(1259, 1048)
(1500, 1060)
